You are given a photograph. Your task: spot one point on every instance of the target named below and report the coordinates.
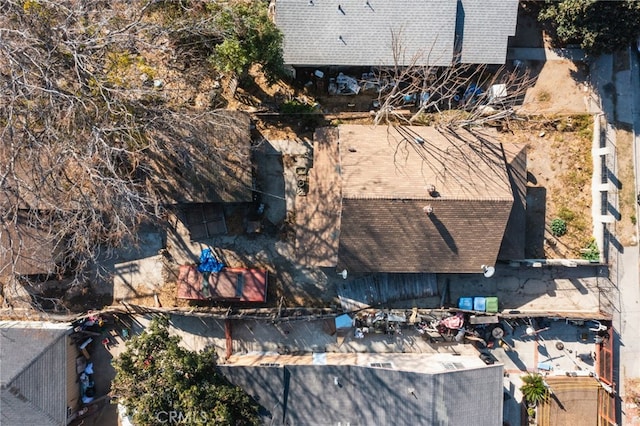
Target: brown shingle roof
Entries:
(398, 236)
(318, 213)
(513, 242)
(386, 173)
(204, 160)
(27, 250)
(386, 162)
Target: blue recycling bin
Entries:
(465, 303)
(479, 304)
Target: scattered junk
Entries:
(344, 85)
(90, 334)
(379, 322)
(497, 92)
(87, 385)
(302, 180)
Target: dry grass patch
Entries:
(626, 227)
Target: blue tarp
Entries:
(343, 321)
(208, 262)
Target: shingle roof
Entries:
(33, 374)
(27, 250)
(387, 162)
(347, 394)
(386, 175)
(512, 247)
(359, 32)
(486, 28)
(312, 31)
(205, 160)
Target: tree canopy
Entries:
(250, 37)
(599, 26)
(157, 379)
(87, 89)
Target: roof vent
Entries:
(433, 191)
(341, 9)
(427, 209)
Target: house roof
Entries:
(391, 222)
(233, 284)
(33, 375)
(484, 28)
(355, 32)
(380, 162)
(27, 250)
(206, 159)
(512, 247)
(318, 213)
(352, 394)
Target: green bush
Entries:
(591, 252)
(558, 227)
(296, 107)
(534, 389)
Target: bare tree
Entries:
(84, 84)
(459, 95)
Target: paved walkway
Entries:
(628, 319)
(622, 106)
(542, 54)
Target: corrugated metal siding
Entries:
(73, 386)
(380, 288)
(15, 411)
(309, 395)
(42, 382)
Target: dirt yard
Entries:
(559, 179)
(558, 132)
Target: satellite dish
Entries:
(488, 271)
(343, 274)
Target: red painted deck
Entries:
(230, 284)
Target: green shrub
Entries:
(558, 227)
(591, 252)
(566, 214)
(534, 389)
(295, 107)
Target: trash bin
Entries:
(479, 304)
(492, 304)
(465, 303)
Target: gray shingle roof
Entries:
(487, 26)
(33, 374)
(360, 32)
(309, 395)
(385, 179)
(312, 31)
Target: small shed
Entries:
(230, 284)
